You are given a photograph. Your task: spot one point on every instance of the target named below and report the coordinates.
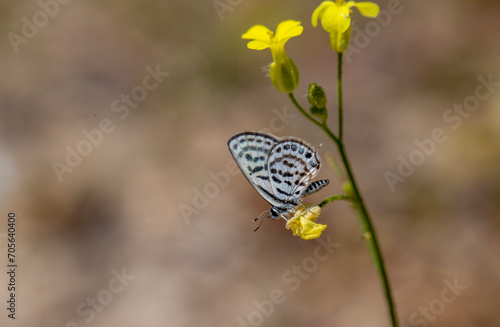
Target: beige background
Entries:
(119, 208)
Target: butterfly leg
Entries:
(299, 201)
(302, 205)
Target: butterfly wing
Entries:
(251, 151)
(292, 165)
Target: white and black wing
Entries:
(251, 151)
(292, 165)
(280, 169)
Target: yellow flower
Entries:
(336, 20)
(303, 223)
(283, 72)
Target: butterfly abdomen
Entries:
(316, 186)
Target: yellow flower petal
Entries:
(336, 19)
(258, 45)
(367, 9)
(258, 32)
(318, 12)
(288, 29)
(302, 224)
(313, 231)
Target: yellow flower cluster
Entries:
(303, 223)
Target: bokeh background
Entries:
(125, 206)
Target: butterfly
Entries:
(279, 169)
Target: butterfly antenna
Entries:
(259, 224)
(255, 219)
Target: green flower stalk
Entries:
(336, 20)
(283, 72)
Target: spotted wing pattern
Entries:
(280, 169)
(251, 151)
(292, 165)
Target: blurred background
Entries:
(114, 122)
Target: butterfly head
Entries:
(275, 213)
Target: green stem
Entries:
(370, 236)
(339, 92)
(369, 233)
(364, 218)
(334, 198)
(324, 127)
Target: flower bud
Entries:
(284, 74)
(317, 98)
